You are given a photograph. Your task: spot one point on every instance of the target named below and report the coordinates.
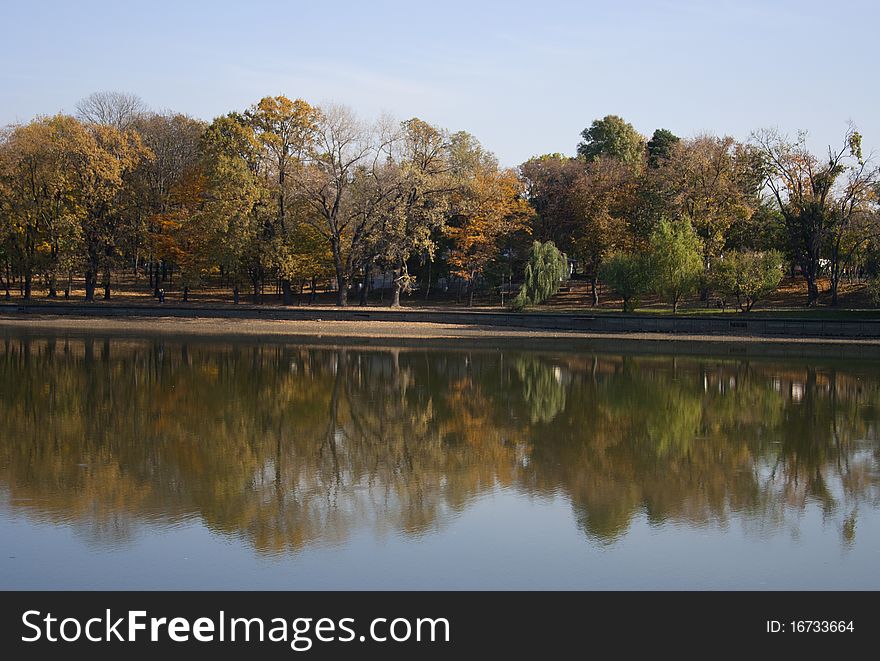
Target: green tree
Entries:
(545, 269)
(629, 275)
(747, 276)
(676, 262)
(660, 147)
(612, 136)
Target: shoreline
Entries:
(401, 334)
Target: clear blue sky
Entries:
(525, 78)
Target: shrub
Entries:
(747, 276)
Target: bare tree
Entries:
(345, 148)
(116, 109)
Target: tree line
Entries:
(287, 195)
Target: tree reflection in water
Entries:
(286, 446)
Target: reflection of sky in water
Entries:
(502, 540)
(144, 464)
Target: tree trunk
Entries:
(428, 285)
(342, 292)
(812, 292)
(235, 295)
(91, 281)
(286, 292)
(341, 275)
(186, 294)
(835, 281)
(471, 288)
(314, 291)
(397, 274)
(155, 279)
(28, 277)
(107, 284)
(365, 288)
(53, 287)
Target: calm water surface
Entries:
(185, 464)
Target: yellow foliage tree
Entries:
(490, 207)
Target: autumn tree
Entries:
(285, 130)
(102, 159)
(550, 181)
(419, 202)
(602, 200)
(36, 200)
(713, 183)
(183, 229)
(234, 195)
(175, 141)
(818, 199)
(489, 206)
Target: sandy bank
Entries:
(426, 335)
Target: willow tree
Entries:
(545, 269)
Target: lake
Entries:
(129, 463)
